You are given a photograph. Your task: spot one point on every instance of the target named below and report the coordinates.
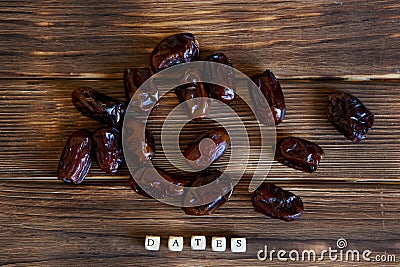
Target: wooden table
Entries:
(49, 48)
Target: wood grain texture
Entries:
(39, 116)
(97, 39)
(49, 48)
(105, 224)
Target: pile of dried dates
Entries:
(346, 113)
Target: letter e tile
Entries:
(218, 244)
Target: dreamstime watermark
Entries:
(205, 72)
(339, 253)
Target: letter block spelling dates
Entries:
(152, 243)
(218, 244)
(238, 244)
(175, 243)
(197, 242)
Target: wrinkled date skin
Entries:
(137, 188)
(299, 154)
(207, 148)
(147, 98)
(98, 106)
(142, 149)
(199, 107)
(107, 143)
(173, 50)
(222, 93)
(349, 116)
(275, 202)
(168, 186)
(220, 194)
(76, 158)
(270, 87)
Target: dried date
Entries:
(108, 147)
(271, 89)
(223, 74)
(349, 116)
(147, 98)
(273, 201)
(173, 50)
(156, 183)
(141, 147)
(192, 89)
(299, 154)
(135, 187)
(98, 106)
(215, 197)
(76, 158)
(207, 148)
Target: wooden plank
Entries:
(37, 116)
(49, 48)
(51, 223)
(98, 39)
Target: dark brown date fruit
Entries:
(270, 87)
(107, 143)
(141, 148)
(76, 158)
(221, 192)
(219, 58)
(222, 93)
(148, 96)
(207, 148)
(299, 154)
(173, 50)
(275, 202)
(98, 106)
(193, 90)
(349, 116)
(137, 188)
(157, 187)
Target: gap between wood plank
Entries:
(346, 78)
(125, 179)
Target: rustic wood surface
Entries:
(49, 48)
(99, 38)
(49, 223)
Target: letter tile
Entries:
(238, 244)
(198, 242)
(175, 243)
(152, 243)
(218, 244)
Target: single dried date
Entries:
(299, 154)
(173, 50)
(198, 106)
(135, 187)
(156, 183)
(76, 158)
(223, 74)
(107, 141)
(273, 201)
(207, 148)
(147, 97)
(140, 146)
(271, 89)
(98, 106)
(214, 197)
(349, 116)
